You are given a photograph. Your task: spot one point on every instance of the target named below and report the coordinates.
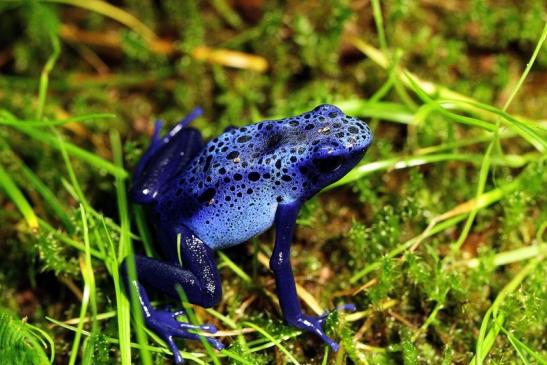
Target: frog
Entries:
(204, 197)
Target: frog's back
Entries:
(231, 189)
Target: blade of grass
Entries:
(225, 11)
(236, 269)
(33, 180)
(539, 44)
(17, 197)
(325, 356)
(264, 343)
(86, 118)
(528, 131)
(518, 345)
(509, 257)
(88, 292)
(233, 355)
(504, 134)
(483, 175)
(100, 317)
(224, 319)
(390, 82)
(441, 92)
(432, 104)
(125, 250)
(42, 189)
(48, 195)
(121, 197)
(44, 77)
(393, 64)
(486, 162)
(122, 303)
(235, 326)
(113, 12)
(89, 279)
(111, 224)
(75, 185)
(144, 232)
(44, 337)
(521, 128)
(86, 156)
(384, 110)
(272, 339)
(489, 331)
(66, 239)
(398, 163)
(378, 20)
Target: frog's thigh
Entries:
(161, 163)
(199, 278)
(158, 142)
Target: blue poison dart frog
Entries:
(204, 197)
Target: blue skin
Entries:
(223, 193)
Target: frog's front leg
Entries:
(280, 264)
(199, 279)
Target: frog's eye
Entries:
(329, 164)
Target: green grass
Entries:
(437, 236)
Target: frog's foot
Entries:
(315, 324)
(164, 324)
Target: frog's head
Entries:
(336, 143)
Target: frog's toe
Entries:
(348, 307)
(183, 333)
(333, 345)
(215, 343)
(208, 328)
(176, 313)
(174, 349)
(166, 326)
(318, 330)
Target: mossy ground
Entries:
(438, 237)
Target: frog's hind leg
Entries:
(165, 157)
(199, 279)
